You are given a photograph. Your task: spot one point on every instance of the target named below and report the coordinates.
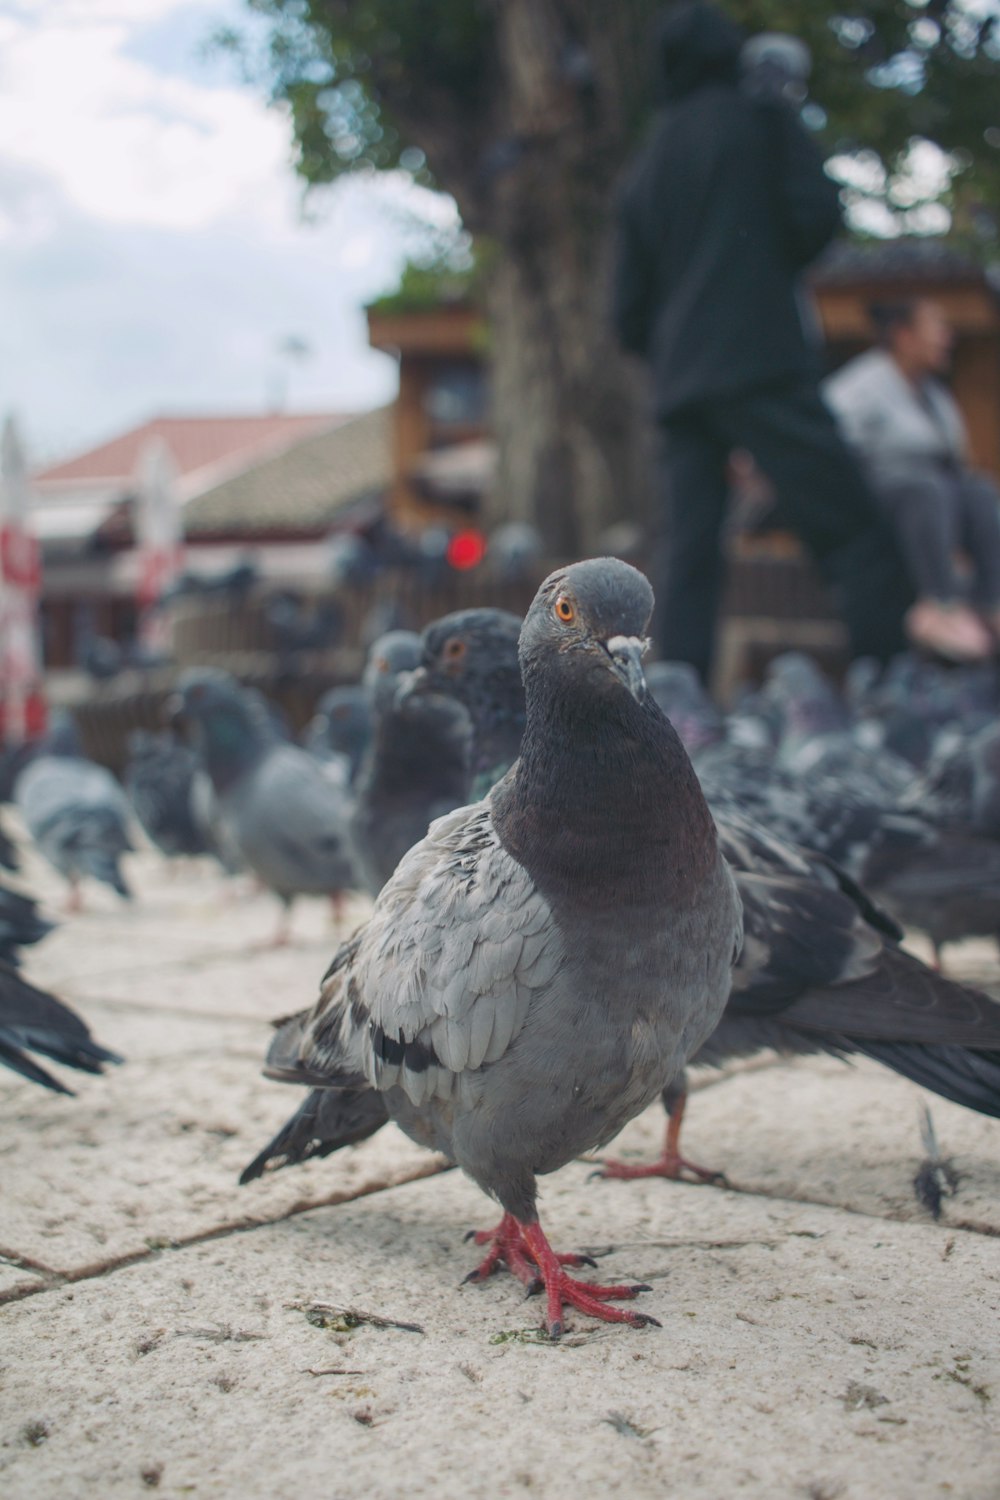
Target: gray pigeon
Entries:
(416, 768)
(822, 972)
(20, 924)
(76, 813)
(287, 818)
(8, 850)
(341, 729)
(31, 1020)
(542, 964)
(159, 780)
(471, 656)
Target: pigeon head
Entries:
(229, 728)
(588, 622)
(342, 723)
(394, 653)
(470, 648)
(471, 656)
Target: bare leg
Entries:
(524, 1249)
(671, 1164)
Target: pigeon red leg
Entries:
(671, 1164)
(527, 1254)
(506, 1248)
(590, 1298)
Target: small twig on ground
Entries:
(344, 1319)
(221, 1334)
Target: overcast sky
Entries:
(153, 248)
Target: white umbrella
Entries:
(20, 580)
(158, 529)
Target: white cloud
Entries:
(123, 143)
(153, 248)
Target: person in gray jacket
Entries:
(904, 423)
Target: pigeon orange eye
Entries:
(454, 649)
(565, 610)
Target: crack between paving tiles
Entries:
(967, 1226)
(51, 1280)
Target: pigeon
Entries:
(678, 690)
(944, 880)
(8, 850)
(340, 730)
(471, 656)
(816, 733)
(288, 820)
(31, 1020)
(821, 971)
(540, 966)
(417, 769)
(75, 811)
(159, 778)
(20, 924)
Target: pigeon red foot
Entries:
(527, 1254)
(671, 1164)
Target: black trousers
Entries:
(823, 497)
(936, 511)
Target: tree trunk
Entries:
(533, 163)
(569, 409)
(568, 414)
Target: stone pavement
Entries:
(163, 1329)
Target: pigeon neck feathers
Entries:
(622, 812)
(419, 749)
(604, 802)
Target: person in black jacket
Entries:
(723, 208)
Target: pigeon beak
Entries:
(626, 653)
(173, 710)
(411, 683)
(408, 686)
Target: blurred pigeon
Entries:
(340, 730)
(8, 850)
(536, 970)
(678, 690)
(234, 583)
(75, 811)
(945, 881)
(822, 972)
(350, 561)
(20, 924)
(515, 550)
(159, 780)
(416, 768)
(212, 827)
(471, 656)
(296, 626)
(101, 658)
(816, 730)
(288, 819)
(33, 1021)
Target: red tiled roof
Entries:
(195, 443)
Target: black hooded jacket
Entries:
(724, 207)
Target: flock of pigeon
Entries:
(585, 877)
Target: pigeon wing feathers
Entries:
(441, 979)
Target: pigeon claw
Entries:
(527, 1254)
(674, 1168)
